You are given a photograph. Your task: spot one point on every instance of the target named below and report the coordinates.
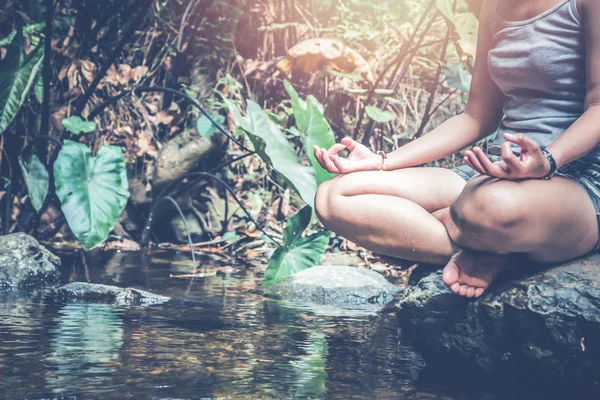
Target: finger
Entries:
(343, 165)
(475, 162)
(482, 158)
(468, 161)
(350, 143)
(317, 150)
(522, 141)
(493, 169)
(336, 148)
(330, 166)
(509, 158)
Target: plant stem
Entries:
(434, 86)
(194, 102)
(405, 50)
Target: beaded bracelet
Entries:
(383, 160)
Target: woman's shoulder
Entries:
(488, 9)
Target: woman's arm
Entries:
(584, 135)
(581, 138)
(480, 119)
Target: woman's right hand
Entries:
(360, 159)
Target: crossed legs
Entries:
(431, 215)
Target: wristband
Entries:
(552, 161)
(383, 160)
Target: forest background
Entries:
(188, 124)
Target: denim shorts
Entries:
(585, 172)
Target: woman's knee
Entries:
(323, 203)
(486, 206)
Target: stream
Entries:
(218, 338)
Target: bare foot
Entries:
(470, 274)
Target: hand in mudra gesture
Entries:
(530, 164)
(360, 159)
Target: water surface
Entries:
(218, 338)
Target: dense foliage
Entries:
(94, 97)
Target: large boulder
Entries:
(96, 293)
(185, 153)
(24, 262)
(545, 324)
(336, 285)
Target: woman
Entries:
(537, 80)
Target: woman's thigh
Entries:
(551, 221)
(431, 188)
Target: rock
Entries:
(137, 189)
(194, 227)
(95, 293)
(336, 285)
(186, 153)
(544, 325)
(24, 262)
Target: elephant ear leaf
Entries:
(297, 253)
(93, 191)
(313, 126)
(378, 115)
(36, 179)
(17, 74)
(273, 147)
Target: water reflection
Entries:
(311, 369)
(21, 350)
(84, 348)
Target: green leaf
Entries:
(77, 125)
(297, 253)
(378, 115)
(93, 191)
(458, 77)
(206, 128)
(36, 179)
(353, 76)
(8, 40)
(273, 147)
(17, 74)
(464, 24)
(314, 128)
(38, 89)
(393, 100)
(231, 236)
(28, 30)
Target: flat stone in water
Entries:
(336, 285)
(95, 293)
(25, 263)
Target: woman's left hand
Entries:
(530, 164)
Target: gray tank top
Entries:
(540, 65)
